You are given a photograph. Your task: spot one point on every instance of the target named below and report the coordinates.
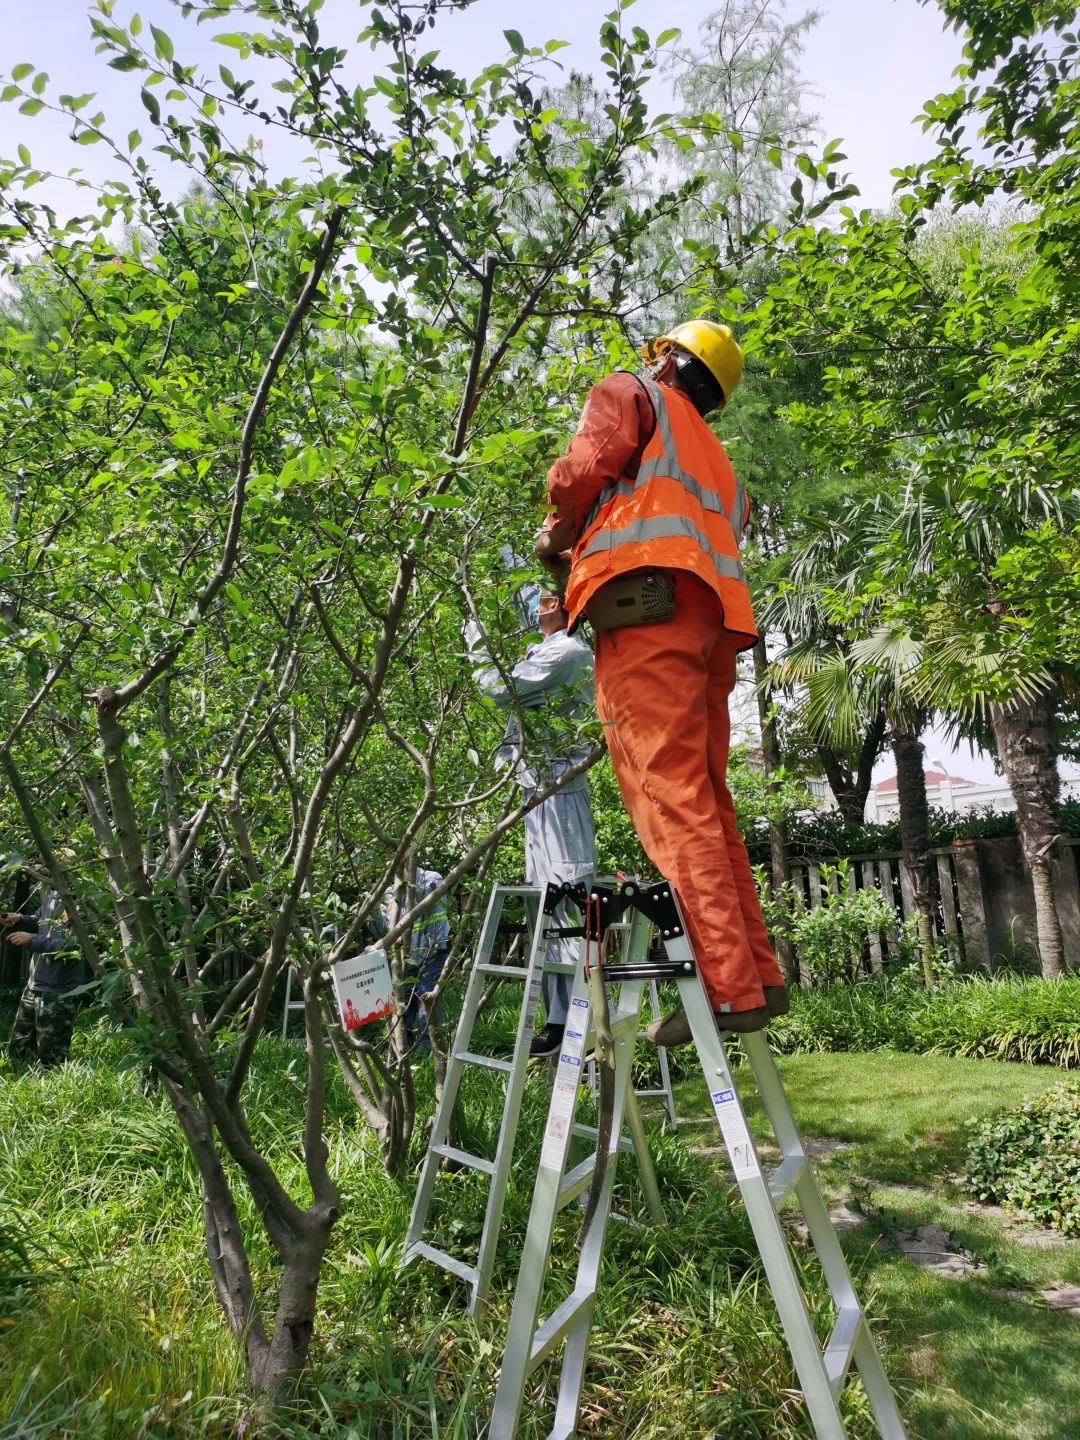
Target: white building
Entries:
(952, 793)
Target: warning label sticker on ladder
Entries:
(564, 1092)
(740, 1147)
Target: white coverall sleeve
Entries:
(547, 668)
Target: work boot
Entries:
(675, 1029)
(547, 1043)
(776, 1000)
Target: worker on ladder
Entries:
(556, 676)
(648, 504)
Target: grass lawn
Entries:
(972, 1358)
(108, 1328)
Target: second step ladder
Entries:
(531, 917)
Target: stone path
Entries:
(931, 1247)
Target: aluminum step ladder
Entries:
(546, 911)
(291, 1005)
(821, 1371)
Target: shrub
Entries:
(831, 938)
(1028, 1158)
(823, 834)
(1033, 1021)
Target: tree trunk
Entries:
(778, 846)
(1026, 735)
(850, 784)
(915, 837)
(278, 1365)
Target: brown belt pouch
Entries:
(642, 597)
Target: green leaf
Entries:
(163, 46)
(152, 106)
(31, 107)
(667, 36)
(88, 137)
(126, 62)
(24, 155)
(234, 42)
(40, 81)
(20, 71)
(516, 43)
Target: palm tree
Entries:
(856, 688)
(933, 551)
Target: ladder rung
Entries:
(556, 968)
(442, 1259)
(489, 1062)
(841, 1346)
(551, 1331)
(785, 1177)
(590, 1132)
(462, 1157)
(575, 1181)
(505, 972)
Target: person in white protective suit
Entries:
(560, 843)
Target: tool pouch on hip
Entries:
(643, 597)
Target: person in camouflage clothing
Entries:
(47, 1009)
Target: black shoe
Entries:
(674, 1029)
(547, 1043)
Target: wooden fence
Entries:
(984, 906)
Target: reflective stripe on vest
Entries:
(667, 466)
(663, 527)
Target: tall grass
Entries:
(1035, 1022)
(110, 1328)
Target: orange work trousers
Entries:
(662, 696)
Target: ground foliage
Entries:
(1028, 1159)
(1017, 1018)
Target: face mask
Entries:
(527, 600)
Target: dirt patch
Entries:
(1035, 1237)
(1054, 1297)
(1062, 1297)
(932, 1247)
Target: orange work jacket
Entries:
(683, 510)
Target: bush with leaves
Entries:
(1031, 1021)
(1028, 1159)
(832, 938)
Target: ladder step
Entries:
(551, 1331)
(575, 1182)
(505, 972)
(590, 1132)
(841, 1346)
(419, 1249)
(462, 1157)
(489, 1062)
(785, 1177)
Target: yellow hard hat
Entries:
(714, 345)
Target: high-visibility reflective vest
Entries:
(684, 510)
